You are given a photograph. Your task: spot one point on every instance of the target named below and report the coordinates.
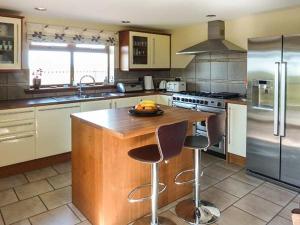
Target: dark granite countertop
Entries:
(22, 103)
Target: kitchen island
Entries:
(102, 172)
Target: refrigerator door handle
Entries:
(282, 99)
(276, 98)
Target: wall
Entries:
(237, 31)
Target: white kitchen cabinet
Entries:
(160, 51)
(125, 102)
(10, 43)
(17, 148)
(237, 128)
(164, 100)
(17, 135)
(54, 129)
(142, 50)
(95, 105)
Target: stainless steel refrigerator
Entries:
(273, 128)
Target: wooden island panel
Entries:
(103, 174)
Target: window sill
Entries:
(31, 90)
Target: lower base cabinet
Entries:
(95, 105)
(237, 129)
(17, 148)
(54, 129)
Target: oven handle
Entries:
(185, 106)
(210, 109)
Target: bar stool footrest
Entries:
(131, 199)
(184, 182)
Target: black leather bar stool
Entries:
(197, 211)
(170, 140)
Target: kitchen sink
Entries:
(89, 96)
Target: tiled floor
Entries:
(43, 197)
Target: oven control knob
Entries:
(190, 100)
(201, 102)
(206, 102)
(219, 104)
(174, 98)
(194, 101)
(198, 101)
(182, 99)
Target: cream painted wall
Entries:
(184, 37)
(237, 31)
(266, 24)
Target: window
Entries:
(64, 64)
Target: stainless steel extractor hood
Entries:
(216, 41)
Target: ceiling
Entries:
(161, 14)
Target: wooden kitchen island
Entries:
(102, 172)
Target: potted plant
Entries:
(37, 78)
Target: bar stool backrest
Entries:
(171, 138)
(215, 126)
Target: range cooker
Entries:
(205, 102)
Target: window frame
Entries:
(72, 48)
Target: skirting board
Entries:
(33, 164)
(236, 159)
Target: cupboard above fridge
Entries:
(139, 50)
(10, 42)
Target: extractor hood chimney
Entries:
(216, 42)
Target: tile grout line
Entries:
(74, 212)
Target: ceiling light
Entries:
(210, 15)
(125, 21)
(40, 9)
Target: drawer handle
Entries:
(67, 107)
(17, 125)
(16, 138)
(12, 113)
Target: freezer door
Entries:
(290, 153)
(263, 142)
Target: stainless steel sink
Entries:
(89, 96)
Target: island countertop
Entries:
(123, 125)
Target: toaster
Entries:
(176, 86)
(126, 87)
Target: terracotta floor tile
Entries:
(7, 197)
(12, 181)
(61, 180)
(278, 220)
(59, 216)
(40, 174)
(217, 172)
(258, 207)
(22, 210)
(242, 176)
(23, 222)
(32, 189)
(57, 198)
(63, 167)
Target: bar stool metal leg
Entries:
(154, 219)
(195, 211)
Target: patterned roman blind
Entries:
(66, 34)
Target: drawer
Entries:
(16, 114)
(16, 126)
(17, 148)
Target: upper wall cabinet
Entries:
(140, 50)
(10, 43)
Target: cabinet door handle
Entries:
(229, 114)
(66, 107)
(12, 113)
(15, 138)
(153, 57)
(17, 125)
(115, 104)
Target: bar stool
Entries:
(197, 211)
(170, 139)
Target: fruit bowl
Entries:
(132, 111)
